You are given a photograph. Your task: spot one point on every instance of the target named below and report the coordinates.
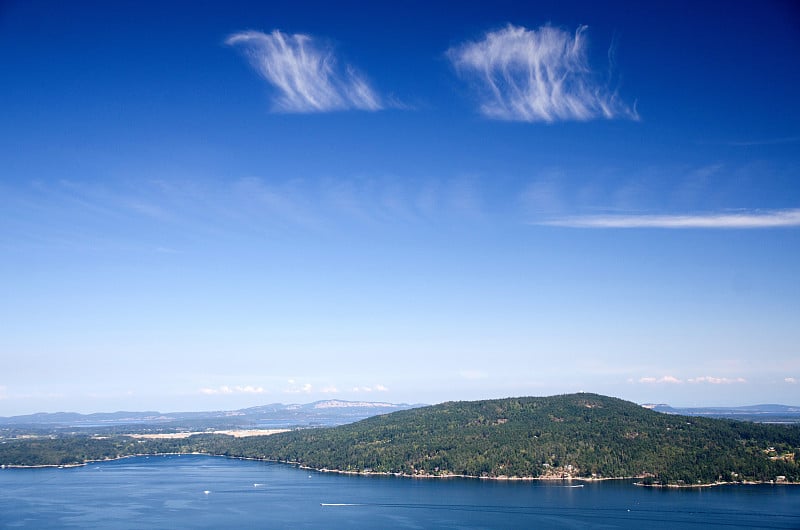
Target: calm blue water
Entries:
(170, 492)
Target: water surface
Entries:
(192, 491)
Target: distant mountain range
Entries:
(768, 413)
(273, 416)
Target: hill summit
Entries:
(583, 435)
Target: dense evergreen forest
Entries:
(576, 436)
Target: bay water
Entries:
(194, 491)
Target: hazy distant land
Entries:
(273, 416)
(767, 413)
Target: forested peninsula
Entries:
(575, 436)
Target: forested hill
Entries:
(577, 435)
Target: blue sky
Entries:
(216, 205)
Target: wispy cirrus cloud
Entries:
(540, 75)
(744, 220)
(790, 380)
(84, 215)
(305, 73)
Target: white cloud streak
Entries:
(305, 388)
(225, 389)
(769, 219)
(717, 380)
(537, 76)
(305, 73)
(375, 388)
(790, 380)
(665, 379)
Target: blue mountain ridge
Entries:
(325, 412)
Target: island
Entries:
(579, 436)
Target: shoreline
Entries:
(544, 479)
(715, 484)
(524, 479)
(425, 476)
(452, 475)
